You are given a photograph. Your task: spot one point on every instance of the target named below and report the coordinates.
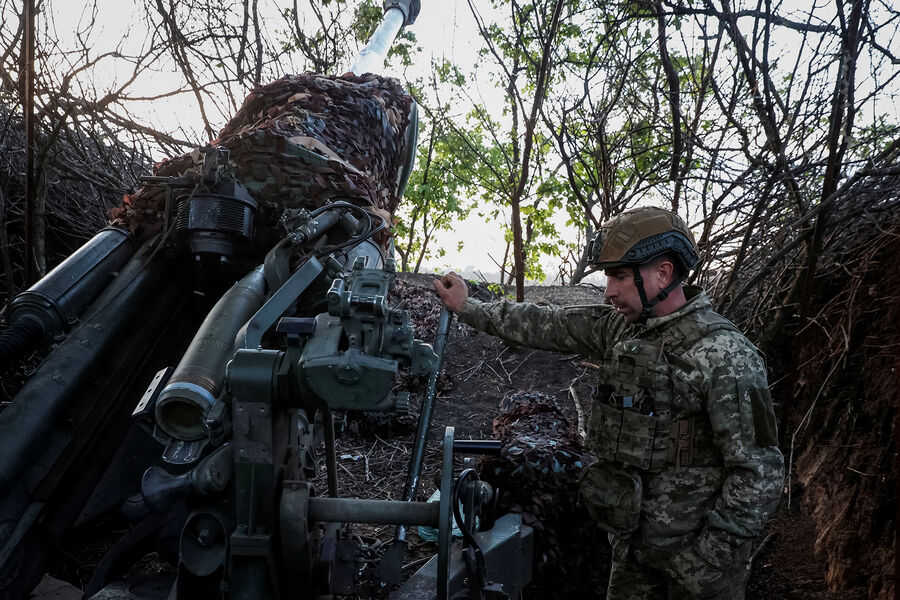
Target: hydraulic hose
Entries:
(197, 380)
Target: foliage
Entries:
(439, 188)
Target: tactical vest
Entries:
(641, 417)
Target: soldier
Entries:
(688, 469)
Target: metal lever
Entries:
(483, 447)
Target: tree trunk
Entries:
(5, 258)
(518, 251)
(581, 268)
(543, 77)
(40, 226)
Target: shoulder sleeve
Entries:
(743, 423)
(582, 329)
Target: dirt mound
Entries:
(844, 444)
(833, 365)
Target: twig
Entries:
(494, 371)
(760, 548)
(522, 362)
(861, 473)
(802, 425)
(472, 369)
(508, 376)
(395, 446)
(415, 563)
(578, 408)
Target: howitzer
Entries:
(214, 466)
(255, 524)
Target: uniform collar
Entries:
(696, 301)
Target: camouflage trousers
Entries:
(678, 575)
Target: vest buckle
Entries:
(684, 443)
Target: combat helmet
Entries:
(636, 237)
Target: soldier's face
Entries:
(622, 292)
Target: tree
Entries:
(437, 193)
(523, 52)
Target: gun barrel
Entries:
(371, 58)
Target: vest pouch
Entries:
(604, 426)
(644, 441)
(612, 496)
(628, 437)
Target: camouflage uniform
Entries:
(709, 481)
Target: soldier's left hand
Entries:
(452, 290)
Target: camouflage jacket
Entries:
(723, 375)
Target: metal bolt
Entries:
(205, 537)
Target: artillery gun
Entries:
(214, 465)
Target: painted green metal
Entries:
(199, 376)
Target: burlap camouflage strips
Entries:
(300, 141)
(718, 382)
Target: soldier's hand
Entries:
(452, 290)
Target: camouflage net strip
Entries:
(537, 474)
(299, 142)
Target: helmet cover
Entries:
(641, 234)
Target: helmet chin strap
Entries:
(647, 310)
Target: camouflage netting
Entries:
(299, 142)
(537, 473)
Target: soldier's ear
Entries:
(666, 270)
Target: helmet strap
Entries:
(647, 310)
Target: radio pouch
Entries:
(612, 496)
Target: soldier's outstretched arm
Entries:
(582, 329)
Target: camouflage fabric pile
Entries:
(299, 142)
(537, 473)
(423, 307)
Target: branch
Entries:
(680, 10)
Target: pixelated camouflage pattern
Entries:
(676, 575)
(696, 520)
